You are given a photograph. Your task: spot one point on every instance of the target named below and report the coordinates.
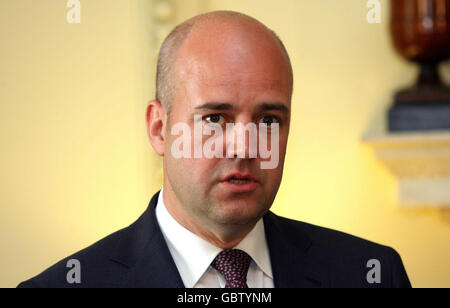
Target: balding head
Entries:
(216, 71)
(202, 34)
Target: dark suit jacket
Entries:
(302, 255)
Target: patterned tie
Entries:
(233, 264)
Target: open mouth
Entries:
(238, 180)
(240, 183)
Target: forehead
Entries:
(232, 62)
(239, 87)
(230, 77)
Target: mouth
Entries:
(240, 183)
(238, 180)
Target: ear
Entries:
(156, 124)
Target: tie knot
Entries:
(233, 264)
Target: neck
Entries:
(220, 235)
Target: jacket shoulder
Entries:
(328, 238)
(349, 258)
(94, 264)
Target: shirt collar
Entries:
(193, 255)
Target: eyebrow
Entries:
(274, 106)
(228, 107)
(215, 106)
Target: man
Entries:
(210, 226)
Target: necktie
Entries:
(233, 264)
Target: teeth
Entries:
(238, 181)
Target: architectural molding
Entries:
(420, 161)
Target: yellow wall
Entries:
(75, 162)
(76, 165)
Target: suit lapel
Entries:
(292, 264)
(143, 250)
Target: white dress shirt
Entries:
(193, 255)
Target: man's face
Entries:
(246, 81)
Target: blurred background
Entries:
(76, 164)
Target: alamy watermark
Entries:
(74, 274)
(73, 15)
(234, 137)
(374, 14)
(374, 274)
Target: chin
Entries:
(238, 213)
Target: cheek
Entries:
(196, 173)
(283, 146)
(274, 176)
(203, 169)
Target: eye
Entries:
(214, 119)
(269, 120)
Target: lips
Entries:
(239, 182)
(239, 176)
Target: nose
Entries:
(241, 140)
